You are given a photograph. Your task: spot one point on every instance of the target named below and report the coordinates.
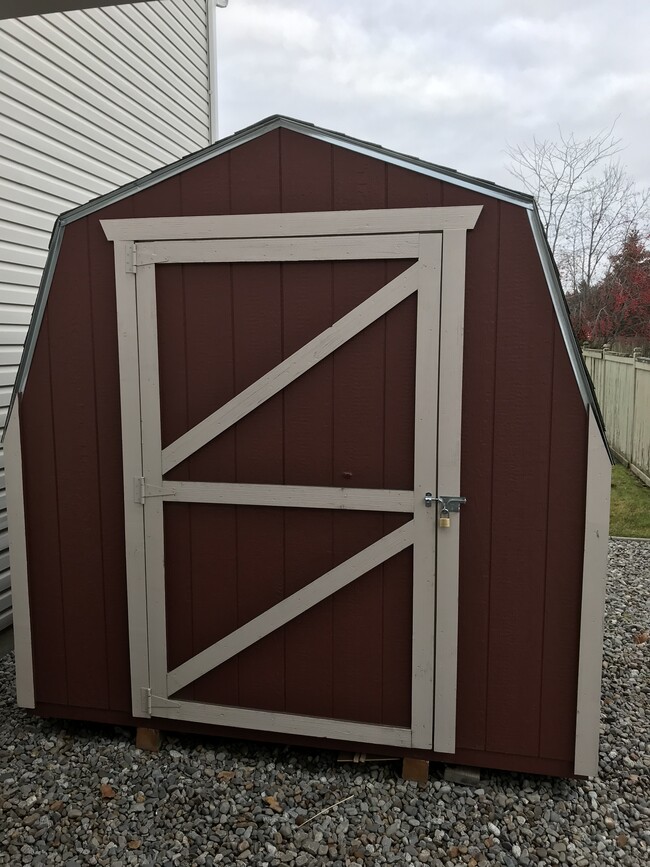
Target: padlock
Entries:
(445, 520)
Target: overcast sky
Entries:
(451, 82)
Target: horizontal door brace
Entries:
(300, 496)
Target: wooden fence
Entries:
(622, 384)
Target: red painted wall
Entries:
(523, 458)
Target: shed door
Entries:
(289, 424)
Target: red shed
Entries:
(302, 449)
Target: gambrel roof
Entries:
(442, 173)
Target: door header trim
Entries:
(311, 223)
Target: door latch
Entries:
(447, 505)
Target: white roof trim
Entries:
(23, 8)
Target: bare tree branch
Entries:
(587, 202)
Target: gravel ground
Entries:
(78, 795)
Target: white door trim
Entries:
(287, 496)
(288, 723)
(424, 480)
(310, 223)
(136, 588)
(439, 287)
(152, 472)
(450, 401)
(322, 248)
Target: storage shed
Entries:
(302, 449)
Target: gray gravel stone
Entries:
(203, 803)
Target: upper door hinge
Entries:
(130, 264)
(141, 490)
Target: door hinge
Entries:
(152, 703)
(130, 264)
(138, 490)
(141, 490)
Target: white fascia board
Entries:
(23, 8)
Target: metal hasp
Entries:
(449, 504)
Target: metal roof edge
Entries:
(442, 173)
(38, 312)
(560, 306)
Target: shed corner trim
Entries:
(593, 602)
(18, 547)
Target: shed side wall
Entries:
(523, 455)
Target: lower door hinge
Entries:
(152, 703)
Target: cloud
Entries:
(452, 83)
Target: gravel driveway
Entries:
(78, 795)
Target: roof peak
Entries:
(279, 121)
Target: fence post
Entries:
(606, 347)
(636, 352)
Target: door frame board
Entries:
(134, 320)
(314, 223)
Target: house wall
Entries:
(523, 457)
(89, 100)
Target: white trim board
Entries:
(286, 496)
(307, 224)
(594, 579)
(292, 724)
(425, 459)
(450, 402)
(127, 337)
(19, 576)
(309, 249)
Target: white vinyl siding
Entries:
(89, 100)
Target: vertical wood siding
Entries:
(523, 469)
(89, 100)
